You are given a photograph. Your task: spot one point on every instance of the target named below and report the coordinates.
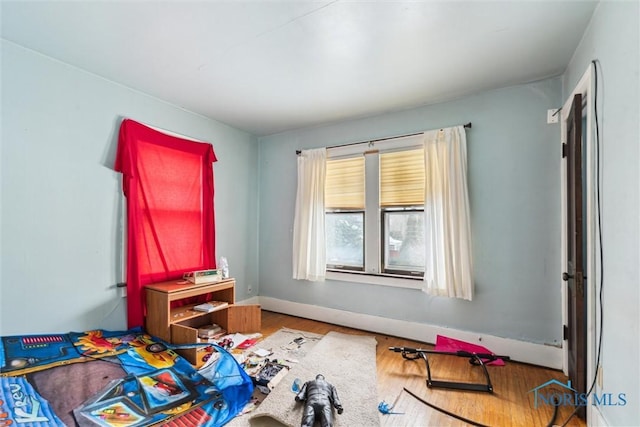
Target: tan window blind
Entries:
(344, 184)
(402, 178)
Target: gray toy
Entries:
(319, 396)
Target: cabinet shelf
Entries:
(180, 325)
(186, 312)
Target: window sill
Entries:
(375, 279)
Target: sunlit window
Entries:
(374, 220)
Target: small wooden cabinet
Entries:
(180, 325)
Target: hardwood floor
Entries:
(511, 404)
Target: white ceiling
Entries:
(270, 66)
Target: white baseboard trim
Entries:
(521, 351)
(249, 301)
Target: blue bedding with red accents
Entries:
(114, 378)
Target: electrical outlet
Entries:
(552, 116)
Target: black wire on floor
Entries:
(444, 411)
(556, 403)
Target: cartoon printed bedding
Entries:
(128, 379)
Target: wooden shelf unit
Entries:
(180, 325)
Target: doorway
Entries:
(574, 272)
(578, 238)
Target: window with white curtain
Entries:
(387, 212)
(374, 209)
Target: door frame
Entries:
(584, 87)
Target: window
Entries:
(376, 238)
(374, 202)
(402, 206)
(345, 240)
(168, 182)
(403, 232)
(344, 220)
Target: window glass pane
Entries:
(345, 236)
(402, 178)
(404, 241)
(344, 184)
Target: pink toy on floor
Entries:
(451, 345)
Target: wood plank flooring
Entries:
(511, 404)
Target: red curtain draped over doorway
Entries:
(168, 183)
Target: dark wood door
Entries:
(574, 273)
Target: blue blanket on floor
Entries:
(156, 384)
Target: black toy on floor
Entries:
(319, 396)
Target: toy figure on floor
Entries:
(319, 396)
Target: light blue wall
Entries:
(62, 201)
(514, 173)
(612, 38)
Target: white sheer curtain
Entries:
(309, 256)
(448, 264)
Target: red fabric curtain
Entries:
(168, 183)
